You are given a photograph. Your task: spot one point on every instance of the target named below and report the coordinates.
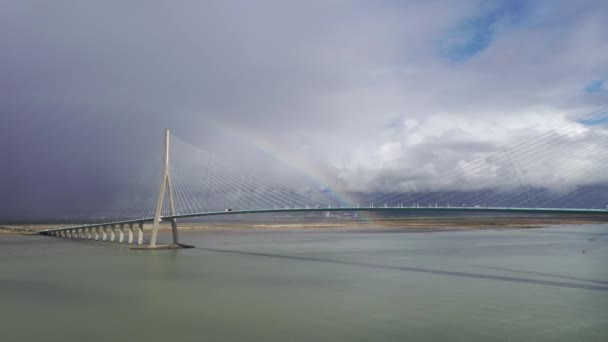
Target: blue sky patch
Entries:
(476, 34)
(594, 121)
(594, 86)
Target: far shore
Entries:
(378, 224)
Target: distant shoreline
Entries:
(408, 224)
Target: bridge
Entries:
(115, 231)
(198, 184)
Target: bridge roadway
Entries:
(108, 231)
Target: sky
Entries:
(363, 95)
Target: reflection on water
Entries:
(464, 285)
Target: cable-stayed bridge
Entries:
(557, 172)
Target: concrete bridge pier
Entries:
(88, 233)
(96, 233)
(121, 233)
(104, 234)
(112, 233)
(140, 234)
(130, 232)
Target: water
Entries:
(501, 285)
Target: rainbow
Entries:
(281, 154)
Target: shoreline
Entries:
(417, 224)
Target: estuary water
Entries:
(544, 284)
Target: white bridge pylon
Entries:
(166, 186)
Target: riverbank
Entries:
(368, 225)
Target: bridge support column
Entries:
(96, 232)
(89, 235)
(140, 234)
(121, 233)
(112, 233)
(104, 234)
(130, 232)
